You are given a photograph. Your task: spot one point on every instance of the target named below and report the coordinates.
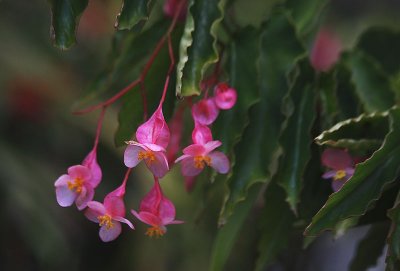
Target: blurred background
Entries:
(40, 138)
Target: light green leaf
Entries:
(365, 187)
(64, 21)
(198, 49)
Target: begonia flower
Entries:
(157, 211)
(171, 7)
(152, 141)
(109, 215)
(79, 184)
(201, 134)
(325, 51)
(224, 96)
(196, 156)
(205, 111)
(342, 166)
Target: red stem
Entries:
(99, 125)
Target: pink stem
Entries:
(99, 125)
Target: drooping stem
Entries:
(99, 126)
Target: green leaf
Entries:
(244, 50)
(276, 225)
(365, 132)
(296, 138)
(254, 162)
(305, 13)
(64, 21)
(365, 187)
(134, 13)
(393, 239)
(198, 49)
(382, 44)
(372, 85)
(370, 248)
(226, 236)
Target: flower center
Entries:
(147, 155)
(200, 161)
(76, 185)
(340, 174)
(105, 220)
(155, 231)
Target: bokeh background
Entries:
(40, 138)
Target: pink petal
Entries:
(201, 134)
(159, 167)
(62, 180)
(176, 222)
(205, 112)
(153, 147)
(180, 158)
(188, 168)
(336, 159)
(325, 51)
(114, 205)
(124, 220)
(151, 200)
(65, 196)
(131, 158)
(329, 174)
(224, 96)
(219, 162)
(212, 145)
(107, 235)
(91, 162)
(147, 218)
(171, 7)
(81, 172)
(194, 150)
(337, 185)
(94, 210)
(84, 197)
(166, 211)
(155, 130)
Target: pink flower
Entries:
(196, 156)
(109, 215)
(224, 96)
(205, 111)
(153, 137)
(342, 166)
(325, 51)
(201, 134)
(157, 211)
(79, 184)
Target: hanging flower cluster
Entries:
(151, 146)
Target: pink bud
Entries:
(205, 111)
(326, 50)
(224, 96)
(154, 131)
(201, 134)
(171, 7)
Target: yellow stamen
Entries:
(105, 220)
(76, 185)
(147, 155)
(340, 174)
(155, 231)
(201, 161)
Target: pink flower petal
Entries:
(107, 235)
(224, 96)
(212, 145)
(65, 196)
(151, 200)
(84, 197)
(205, 111)
(219, 162)
(166, 211)
(180, 158)
(329, 174)
(194, 150)
(159, 167)
(155, 130)
(62, 180)
(147, 218)
(114, 205)
(91, 162)
(336, 159)
(153, 147)
(124, 220)
(325, 51)
(188, 167)
(131, 158)
(337, 185)
(81, 172)
(94, 210)
(201, 134)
